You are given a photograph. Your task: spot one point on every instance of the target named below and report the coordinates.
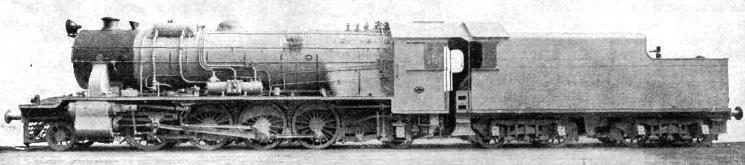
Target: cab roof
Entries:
(442, 30)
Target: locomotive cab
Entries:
(445, 52)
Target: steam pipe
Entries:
(142, 44)
(203, 61)
(152, 58)
(181, 65)
(254, 69)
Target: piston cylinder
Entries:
(92, 119)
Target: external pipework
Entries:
(152, 59)
(181, 65)
(142, 43)
(203, 61)
(154, 83)
(214, 85)
(255, 74)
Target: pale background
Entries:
(35, 56)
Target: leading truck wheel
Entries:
(60, 136)
(319, 122)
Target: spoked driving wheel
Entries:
(149, 142)
(319, 122)
(209, 115)
(60, 136)
(485, 138)
(268, 122)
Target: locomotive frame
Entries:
(395, 83)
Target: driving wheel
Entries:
(268, 122)
(321, 123)
(209, 115)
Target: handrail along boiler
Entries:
(158, 87)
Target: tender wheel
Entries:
(702, 141)
(60, 136)
(618, 137)
(484, 138)
(318, 121)
(209, 115)
(400, 143)
(569, 137)
(170, 145)
(606, 141)
(699, 139)
(634, 141)
(268, 121)
(487, 141)
(149, 142)
(84, 143)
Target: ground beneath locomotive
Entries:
(423, 152)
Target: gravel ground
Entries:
(449, 151)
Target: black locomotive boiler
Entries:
(170, 84)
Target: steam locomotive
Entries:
(170, 84)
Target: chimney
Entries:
(110, 23)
